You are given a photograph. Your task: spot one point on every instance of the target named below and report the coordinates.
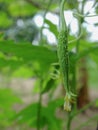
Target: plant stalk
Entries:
(39, 108)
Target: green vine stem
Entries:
(41, 80)
(83, 16)
(39, 106)
(44, 16)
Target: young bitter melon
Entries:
(63, 57)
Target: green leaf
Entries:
(52, 27)
(7, 1)
(23, 71)
(29, 115)
(10, 63)
(7, 100)
(50, 83)
(71, 4)
(88, 51)
(21, 8)
(29, 54)
(4, 20)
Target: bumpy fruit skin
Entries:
(63, 54)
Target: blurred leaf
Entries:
(71, 4)
(1, 35)
(21, 8)
(36, 88)
(50, 78)
(96, 24)
(13, 64)
(5, 21)
(7, 100)
(50, 83)
(52, 27)
(97, 103)
(49, 113)
(24, 72)
(7, 1)
(90, 50)
(29, 115)
(29, 54)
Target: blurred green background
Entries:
(31, 92)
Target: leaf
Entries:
(90, 50)
(50, 83)
(7, 1)
(52, 27)
(23, 71)
(29, 115)
(21, 8)
(71, 4)
(7, 100)
(96, 24)
(4, 20)
(49, 113)
(29, 54)
(1, 35)
(10, 63)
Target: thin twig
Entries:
(83, 16)
(44, 16)
(75, 39)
